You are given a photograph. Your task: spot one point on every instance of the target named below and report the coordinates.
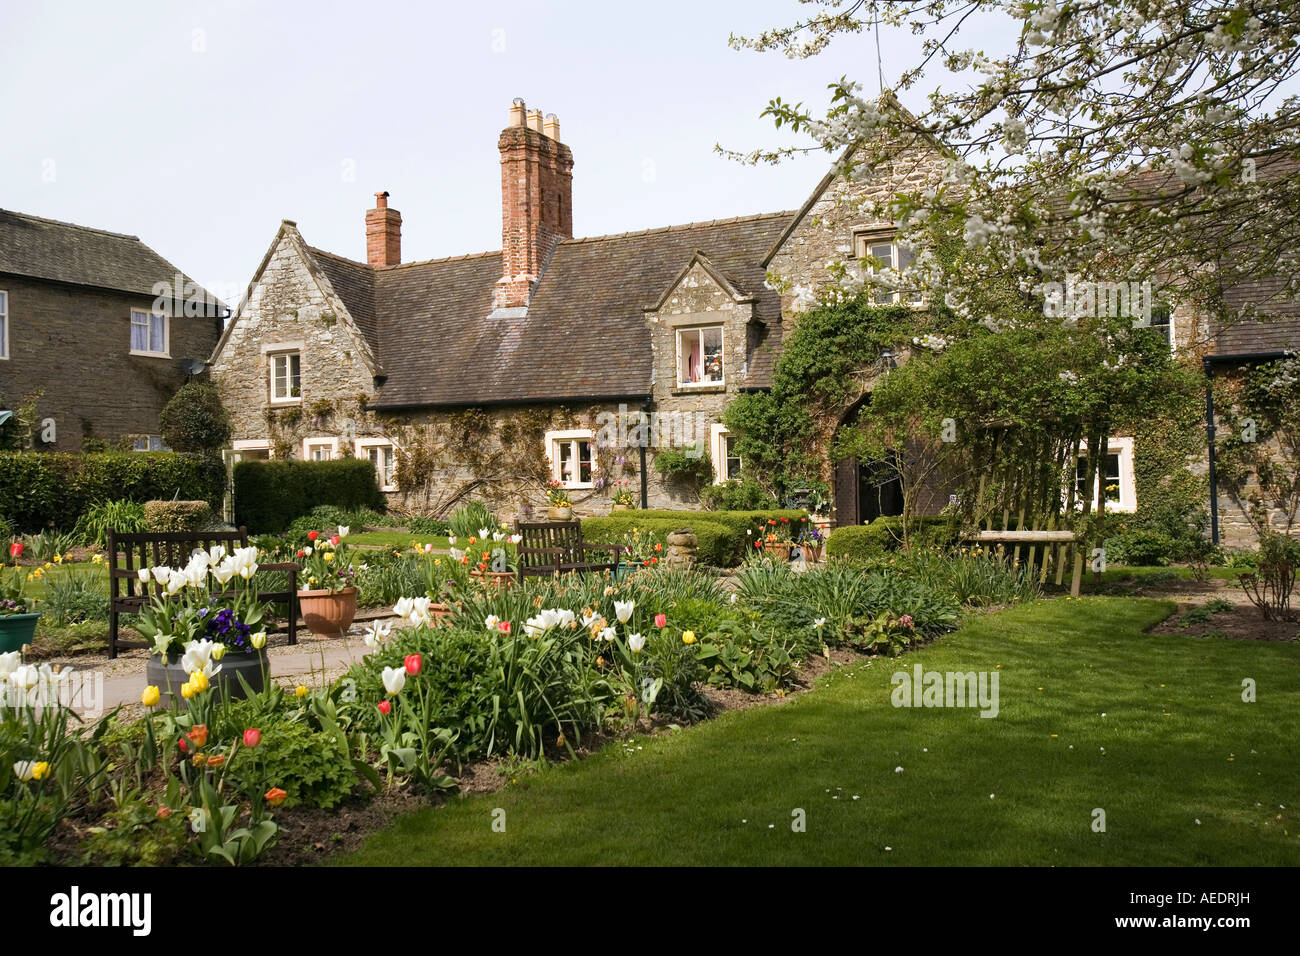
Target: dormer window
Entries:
(699, 356)
(881, 252)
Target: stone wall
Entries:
(74, 344)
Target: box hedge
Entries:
(885, 534)
(52, 489)
(723, 535)
(177, 516)
(270, 494)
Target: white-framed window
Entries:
(1115, 477)
(886, 252)
(320, 449)
(149, 333)
(699, 356)
(383, 457)
(1162, 321)
(4, 324)
(148, 443)
(251, 449)
(722, 449)
(286, 377)
(573, 457)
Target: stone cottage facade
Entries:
(96, 329)
(486, 376)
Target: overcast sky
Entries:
(198, 126)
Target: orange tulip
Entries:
(275, 796)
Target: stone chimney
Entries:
(536, 201)
(383, 233)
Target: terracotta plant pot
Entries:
(328, 613)
(499, 580)
(559, 514)
(778, 550)
(17, 630)
(618, 508)
(168, 675)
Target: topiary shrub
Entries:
(177, 515)
(737, 495)
(1141, 547)
(269, 495)
(737, 528)
(885, 534)
(716, 544)
(195, 420)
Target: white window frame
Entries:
(363, 447)
(4, 324)
(1127, 503)
(718, 435)
(271, 358)
(573, 435)
(862, 243)
(251, 444)
(698, 330)
(149, 441)
(149, 314)
(309, 443)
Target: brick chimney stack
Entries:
(536, 201)
(383, 233)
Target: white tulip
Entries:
(377, 634)
(455, 554)
(635, 642)
(199, 656)
(498, 535)
(394, 679)
(24, 770)
(483, 533)
(25, 677)
(143, 575)
(9, 663)
(245, 562)
(819, 623)
(623, 610)
(258, 640)
(608, 634)
(216, 553)
(491, 621)
(176, 580)
(516, 538)
(451, 539)
(160, 574)
(344, 530)
(224, 571)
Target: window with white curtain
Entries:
(148, 333)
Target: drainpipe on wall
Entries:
(647, 407)
(1208, 363)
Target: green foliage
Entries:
(328, 518)
(390, 577)
(684, 465)
(863, 543)
(1262, 470)
(466, 520)
(724, 536)
(124, 516)
(737, 494)
(178, 516)
(194, 419)
(311, 766)
(428, 525)
(48, 545)
(134, 835)
(52, 489)
(750, 658)
(269, 495)
(75, 596)
(1141, 547)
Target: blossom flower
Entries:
(504, 627)
(275, 796)
(661, 620)
(10, 662)
(198, 657)
(300, 691)
(313, 535)
(635, 642)
(394, 679)
(344, 531)
(491, 621)
(688, 637)
(607, 634)
(252, 738)
(258, 640)
(16, 549)
(24, 770)
(150, 696)
(385, 707)
(623, 610)
(377, 634)
(413, 664)
(198, 735)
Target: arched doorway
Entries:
(864, 491)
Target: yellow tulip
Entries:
(300, 691)
(40, 770)
(187, 690)
(329, 556)
(199, 681)
(218, 651)
(151, 696)
(688, 637)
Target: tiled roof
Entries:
(584, 336)
(63, 252)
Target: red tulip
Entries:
(313, 535)
(661, 620)
(385, 707)
(334, 540)
(504, 627)
(16, 549)
(252, 737)
(413, 664)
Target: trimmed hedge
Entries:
(51, 489)
(722, 534)
(270, 494)
(867, 541)
(177, 516)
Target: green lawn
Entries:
(36, 588)
(1093, 714)
(395, 539)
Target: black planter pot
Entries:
(168, 676)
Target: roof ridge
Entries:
(404, 265)
(677, 227)
(70, 225)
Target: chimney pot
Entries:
(551, 127)
(517, 110)
(383, 233)
(535, 120)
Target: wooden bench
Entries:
(554, 547)
(173, 549)
(1065, 543)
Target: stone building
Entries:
(95, 327)
(485, 376)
